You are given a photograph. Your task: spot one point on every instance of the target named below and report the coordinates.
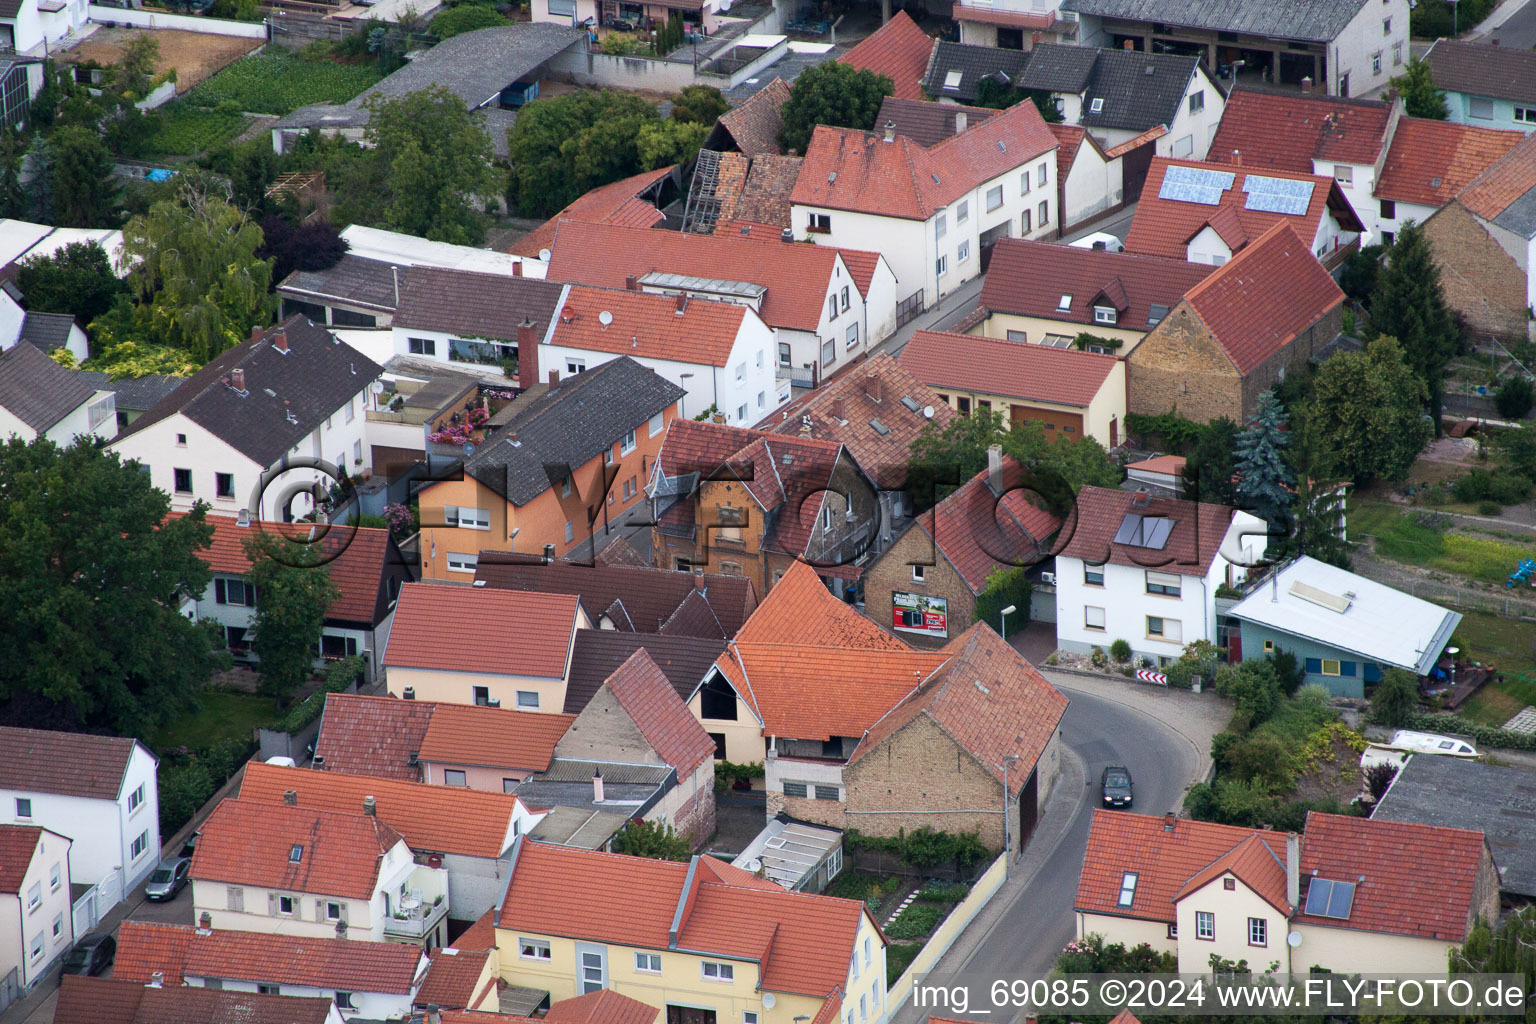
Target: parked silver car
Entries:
(167, 879)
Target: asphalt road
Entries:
(1518, 31)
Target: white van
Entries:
(1431, 743)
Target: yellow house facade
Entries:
(1036, 330)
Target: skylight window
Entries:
(1064, 304)
(952, 80)
(1330, 899)
(296, 854)
(1155, 314)
(1127, 889)
(1097, 107)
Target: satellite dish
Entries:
(469, 449)
(1293, 940)
(928, 412)
(769, 999)
(605, 318)
(377, 387)
(545, 254)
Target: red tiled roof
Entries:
(846, 169)
(1068, 138)
(432, 819)
(1163, 861)
(17, 845)
(1264, 297)
(247, 842)
(1029, 278)
(1255, 864)
(478, 617)
(86, 1000)
(796, 276)
(660, 714)
(1198, 530)
(480, 936)
(1015, 369)
(990, 701)
(754, 126)
(66, 763)
(372, 735)
(885, 456)
(493, 737)
(605, 1006)
(832, 1007)
(181, 951)
(1430, 161)
(1170, 464)
(649, 326)
(1009, 19)
(929, 124)
(1288, 130)
(1163, 227)
(1420, 880)
(1492, 192)
(980, 533)
(801, 611)
(861, 267)
(551, 890)
(452, 978)
(614, 203)
(898, 50)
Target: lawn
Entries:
(1417, 538)
(279, 83)
(1507, 644)
(188, 130)
(220, 715)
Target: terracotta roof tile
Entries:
(605, 1006)
(660, 714)
(1419, 879)
(1171, 464)
(540, 646)
(1196, 536)
(980, 533)
(493, 737)
(551, 891)
(1288, 130)
(372, 735)
(649, 326)
(17, 845)
(1009, 19)
(247, 842)
(144, 947)
(480, 936)
(1483, 69)
(763, 197)
(1264, 297)
(432, 819)
(801, 611)
(1029, 278)
(1163, 227)
(86, 1000)
(1254, 864)
(693, 618)
(1069, 138)
(832, 1007)
(452, 978)
(754, 126)
(66, 763)
(898, 50)
(1430, 161)
(614, 203)
(1497, 188)
(1015, 369)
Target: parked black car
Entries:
(91, 955)
(1117, 786)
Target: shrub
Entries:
(1314, 696)
(924, 848)
(729, 773)
(1261, 759)
(1120, 650)
(1514, 398)
(651, 839)
(1378, 777)
(1484, 735)
(1253, 686)
(944, 892)
(915, 922)
(1097, 658)
(1500, 486)
(1005, 587)
(1489, 508)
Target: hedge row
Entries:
(1486, 735)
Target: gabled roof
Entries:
(1483, 69)
(37, 390)
(1252, 861)
(249, 842)
(1288, 130)
(955, 70)
(650, 596)
(87, 1000)
(650, 326)
(803, 943)
(1378, 622)
(180, 950)
(1264, 297)
(1139, 90)
(1506, 192)
(928, 124)
(846, 169)
(1029, 278)
(973, 526)
(432, 819)
(1311, 20)
(801, 611)
(1195, 538)
(1429, 161)
(1017, 369)
(65, 763)
(1063, 69)
(475, 305)
(492, 737)
(355, 280)
(988, 699)
(47, 331)
(659, 713)
(684, 660)
(754, 125)
(287, 396)
(898, 50)
(540, 646)
(876, 423)
(372, 735)
(605, 1006)
(1163, 227)
(1420, 880)
(796, 276)
(617, 202)
(17, 845)
(452, 978)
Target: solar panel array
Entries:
(1330, 899)
(1139, 531)
(1195, 185)
(1278, 195)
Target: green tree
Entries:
(80, 178)
(1507, 948)
(466, 18)
(564, 146)
(943, 459)
(1367, 407)
(1254, 687)
(1318, 507)
(1062, 466)
(192, 263)
(1409, 306)
(999, 95)
(1514, 397)
(1416, 86)
(13, 196)
(76, 279)
(1265, 483)
(1519, 447)
(1358, 278)
(1210, 469)
(639, 838)
(1396, 698)
(663, 143)
(834, 94)
(92, 576)
(699, 104)
(124, 344)
(293, 592)
(136, 67)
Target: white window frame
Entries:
(962, 211)
(459, 561)
(474, 518)
(963, 251)
(1205, 925)
(534, 949)
(1127, 889)
(656, 424)
(627, 443)
(941, 266)
(1258, 931)
(643, 962)
(527, 700)
(714, 970)
(994, 193)
(1088, 618)
(919, 574)
(462, 779)
(1105, 315)
(140, 845)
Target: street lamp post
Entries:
(1455, 18)
(1003, 625)
(1007, 817)
(683, 402)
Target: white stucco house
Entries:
(1145, 569)
(36, 923)
(101, 793)
(40, 398)
(292, 394)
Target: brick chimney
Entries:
(554, 378)
(517, 269)
(280, 341)
(874, 388)
(632, 283)
(237, 378)
(256, 333)
(839, 411)
(527, 355)
(1168, 820)
(370, 808)
(698, 580)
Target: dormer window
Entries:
(1104, 315)
(1065, 304)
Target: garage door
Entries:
(1057, 424)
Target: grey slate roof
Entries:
(1059, 68)
(134, 394)
(570, 425)
(1520, 216)
(597, 653)
(1140, 90)
(1503, 72)
(37, 390)
(974, 63)
(476, 66)
(1500, 802)
(1311, 20)
(353, 279)
(475, 305)
(47, 331)
(286, 396)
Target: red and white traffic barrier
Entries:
(1146, 675)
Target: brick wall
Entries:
(1292, 359)
(696, 818)
(1178, 365)
(892, 573)
(1480, 279)
(1485, 891)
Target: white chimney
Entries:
(156, 979)
(890, 131)
(995, 468)
(597, 786)
(960, 121)
(1293, 870)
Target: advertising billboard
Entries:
(919, 613)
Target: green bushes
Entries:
(651, 839)
(1004, 588)
(1175, 433)
(1501, 486)
(729, 773)
(924, 848)
(1432, 19)
(188, 779)
(1120, 650)
(1514, 398)
(339, 675)
(186, 130)
(1396, 698)
(1485, 735)
(916, 921)
(944, 892)
(279, 83)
